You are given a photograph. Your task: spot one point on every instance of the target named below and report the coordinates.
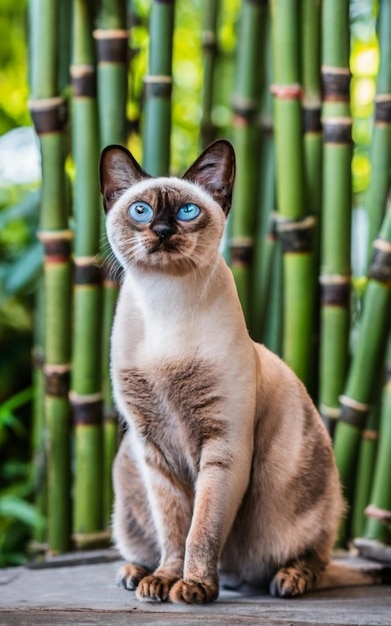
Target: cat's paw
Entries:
(129, 575)
(288, 582)
(155, 588)
(194, 591)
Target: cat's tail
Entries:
(339, 575)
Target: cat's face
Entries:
(168, 225)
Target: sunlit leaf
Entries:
(12, 506)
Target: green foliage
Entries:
(13, 65)
(17, 516)
(20, 265)
(364, 64)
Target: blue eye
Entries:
(141, 212)
(188, 212)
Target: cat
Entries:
(226, 465)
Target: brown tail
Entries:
(340, 575)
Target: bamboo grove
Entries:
(289, 241)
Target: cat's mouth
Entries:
(165, 245)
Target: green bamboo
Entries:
(381, 492)
(381, 139)
(158, 87)
(86, 396)
(246, 104)
(47, 110)
(112, 53)
(210, 51)
(294, 225)
(313, 149)
(265, 238)
(365, 471)
(39, 460)
(272, 335)
(336, 209)
(311, 101)
(367, 359)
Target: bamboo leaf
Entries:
(12, 506)
(24, 272)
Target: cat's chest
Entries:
(175, 406)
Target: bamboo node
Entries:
(111, 45)
(57, 378)
(295, 235)
(83, 261)
(241, 251)
(354, 404)
(244, 108)
(331, 69)
(83, 80)
(158, 78)
(382, 244)
(287, 92)
(49, 114)
(377, 513)
(86, 409)
(380, 267)
(337, 130)
(88, 271)
(330, 412)
(110, 33)
(335, 83)
(45, 103)
(335, 290)
(51, 235)
(370, 435)
(312, 119)
(81, 70)
(158, 86)
(353, 412)
(334, 279)
(209, 40)
(383, 108)
(90, 398)
(57, 245)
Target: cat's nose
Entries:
(163, 231)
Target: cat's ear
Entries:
(215, 171)
(119, 170)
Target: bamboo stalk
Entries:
(368, 358)
(294, 225)
(158, 87)
(210, 51)
(365, 471)
(265, 238)
(313, 149)
(381, 139)
(246, 136)
(272, 335)
(39, 460)
(112, 55)
(381, 492)
(48, 114)
(86, 396)
(336, 212)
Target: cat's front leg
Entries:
(171, 507)
(220, 488)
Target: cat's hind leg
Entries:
(133, 529)
(297, 576)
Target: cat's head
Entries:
(167, 224)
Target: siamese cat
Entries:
(226, 465)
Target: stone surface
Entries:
(86, 594)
